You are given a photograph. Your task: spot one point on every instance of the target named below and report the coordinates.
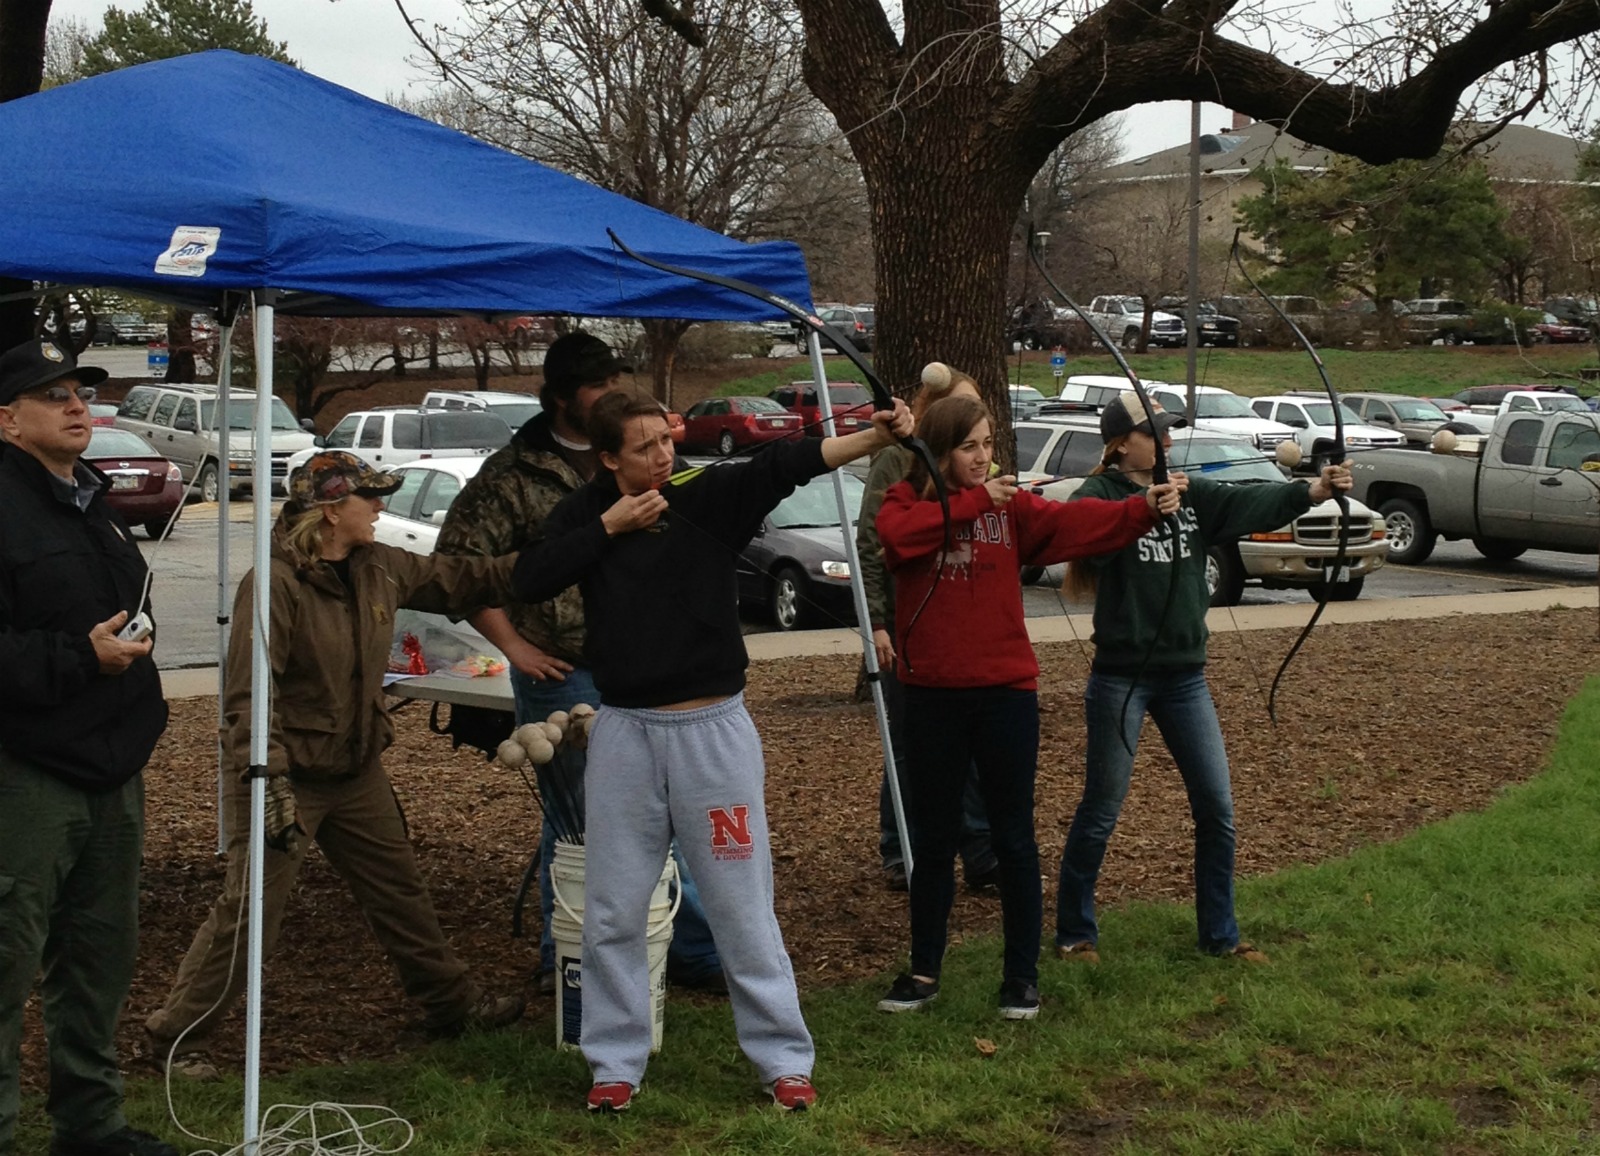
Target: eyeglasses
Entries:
(61, 394)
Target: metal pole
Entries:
(224, 445)
(858, 591)
(1192, 296)
(260, 710)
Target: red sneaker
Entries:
(610, 1097)
(793, 1093)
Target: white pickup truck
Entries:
(1519, 487)
(1122, 316)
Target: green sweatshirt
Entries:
(889, 466)
(1136, 583)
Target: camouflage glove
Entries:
(279, 820)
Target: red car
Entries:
(145, 488)
(852, 405)
(727, 424)
(675, 426)
(1558, 332)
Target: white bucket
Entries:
(566, 927)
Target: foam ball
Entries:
(511, 753)
(1444, 442)
(1289, 454)
(549, 732)
(527, 732)
(542, 751)
(582, 710)
(936, 376)
(559, 718)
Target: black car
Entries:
(795, 567)
(1214, 326)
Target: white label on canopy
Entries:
(191, 246)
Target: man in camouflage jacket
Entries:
(500, 511)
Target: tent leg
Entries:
(224, 384)
(863, 620)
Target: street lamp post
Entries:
(1209, 143)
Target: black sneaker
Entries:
(908, 993)
(894, 877)
(984, 882)
(1019, 1000)
(122, 1142)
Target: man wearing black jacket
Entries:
(80, 711)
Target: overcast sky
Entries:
(363, 44)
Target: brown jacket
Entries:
(330, 650)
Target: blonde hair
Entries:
(1082, 581)
(302, 535)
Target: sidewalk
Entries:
(199, 681)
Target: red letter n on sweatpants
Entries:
(730, 832)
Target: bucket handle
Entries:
(677, 898)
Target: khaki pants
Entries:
(69, 902)
(357, 824)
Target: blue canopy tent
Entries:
(214, 174)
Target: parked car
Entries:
(145, 487)
(531, 331)
(1495, 394)
(386, 438)
(1025, 401)
(1582, 311)
(102, 413)
(180, 421)
(795, 567)
(1552, 329)
(1312, 419)
(410, 519)
(1219, 411)
(1214, 326)
(1043, 325)
(1259, 325)
(729, 424)
(1417, 418)
(1122, 317)
(858, 325)
(852, 405)
(1430, 319)
(513, 408)
(129, 329)
(1297, 556)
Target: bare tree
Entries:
(598, 89)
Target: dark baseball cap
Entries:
(581, 359)
(39, 362)
(334, 475)
(1126, 413)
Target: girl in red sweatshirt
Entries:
(971, 677)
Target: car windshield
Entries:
(1224, 405)
(242, 414)
(1025, 393)
(108, 442)
(1321, 413)
(1562, 401)
(813, 505)
(1226, 461)
(1419, 411)
(515, 413)
(463, 430)
(847, 394)
(758, 405)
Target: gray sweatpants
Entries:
(698, 774)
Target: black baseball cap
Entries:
(1126, 413)
(581, 359)
(39, 362)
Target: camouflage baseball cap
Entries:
(333, 475)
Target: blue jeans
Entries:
(947, 732)
(692, 956)
(977, 855)
(1180, 703)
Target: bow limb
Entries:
(815, 324)
(1339, 454)
(1158, 472)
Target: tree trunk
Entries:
(22, 35)
(661, 338)
(181, 359)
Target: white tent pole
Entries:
(858, 590)
(260, 707)
(224, 382)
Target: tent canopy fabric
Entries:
(187, 177)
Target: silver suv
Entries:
(514, 408)
(1297, 556)
(181, 422)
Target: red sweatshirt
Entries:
(972, 632)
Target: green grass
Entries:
(1425, 371)
(1436, 995)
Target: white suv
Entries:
(386, 438)
(1311, 418)
(1297, 556)
(515, 408)
(1221, 411)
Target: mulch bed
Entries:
(1382, 728)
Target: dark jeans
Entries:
(1180, 703)
(692, 957)
(69, 904)
(947, 732)
(977, 853)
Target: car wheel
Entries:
(788, 599)
(1451, 337)
(1411, 538)
(1338, 591)
(210, 491)
(161, 527)
(1224, 575)
(725, 445)
(1499, 550)
(1130, 339)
